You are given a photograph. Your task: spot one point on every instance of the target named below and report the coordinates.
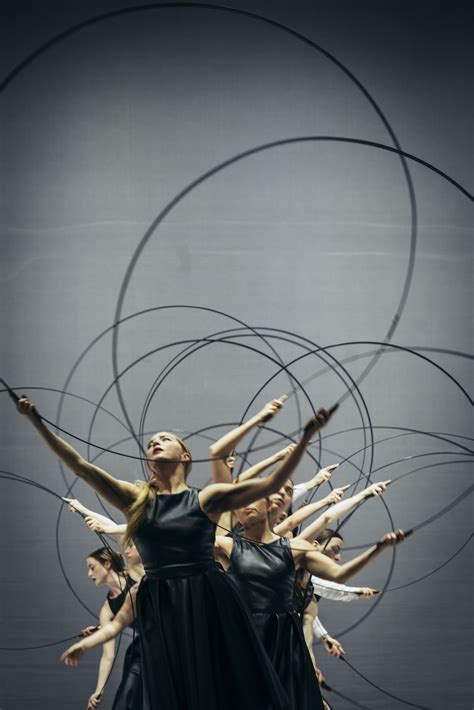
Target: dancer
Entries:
(199, 648)
(106, 567)
(129, 693)
(264, 567)
(281, 501)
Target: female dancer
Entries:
(282, 499)
(198, 644)
(106, 567)
(264, 567)
(129, 692)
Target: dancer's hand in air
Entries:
(376, 489)
(391, 539)
(323, 475)
(320, 419)
(366, 592)
(336, 495)
(26, 407)
(73, 654)
(75, 506)
(271, 408)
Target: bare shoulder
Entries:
(300, 548)
(299, 544)
(224, 545)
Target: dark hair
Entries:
(105, 554)
(327, 534)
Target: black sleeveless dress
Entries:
(129, 695)
(265, 575)
(199, 648)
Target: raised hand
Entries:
(26, 407)
(321, 418)
(284, 452)
(336, 495)
(94, 525)
(74, 505)
(392, 538)
(323, 475)
(272, 408)
(376, 489)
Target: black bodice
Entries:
(175, 532)
(115, 603)
(264, 573)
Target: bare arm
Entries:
(223, 448)
(324, 567)
(341, 508)
(254, 471)
(216, 499)
(106, 660)
(120, 494)
(109, 631)
(307, 511)
(95, 521)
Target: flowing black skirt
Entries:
(199, 647)
(129, 695)
(282, 636)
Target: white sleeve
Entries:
(299, 493)
(334, 590)
(318, 629)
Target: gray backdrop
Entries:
(101, 132)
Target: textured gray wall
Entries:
(100, 133)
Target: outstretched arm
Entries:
(216, 499)
(95, 521)
(120, 494)
(340, 592)
(324, 567)
(109, 631)
(301, 489)
(223, 448)
(341, 508)
(307, 511)
(254, 471)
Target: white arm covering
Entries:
(299, 493)
(318, 629)
(334, 590)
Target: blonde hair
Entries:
(137, 511)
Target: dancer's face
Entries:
(332, 549)
(97, 572)
(282, 499)
(132, 554)
(255, 512)
(164, 447)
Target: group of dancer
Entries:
(220, 589)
